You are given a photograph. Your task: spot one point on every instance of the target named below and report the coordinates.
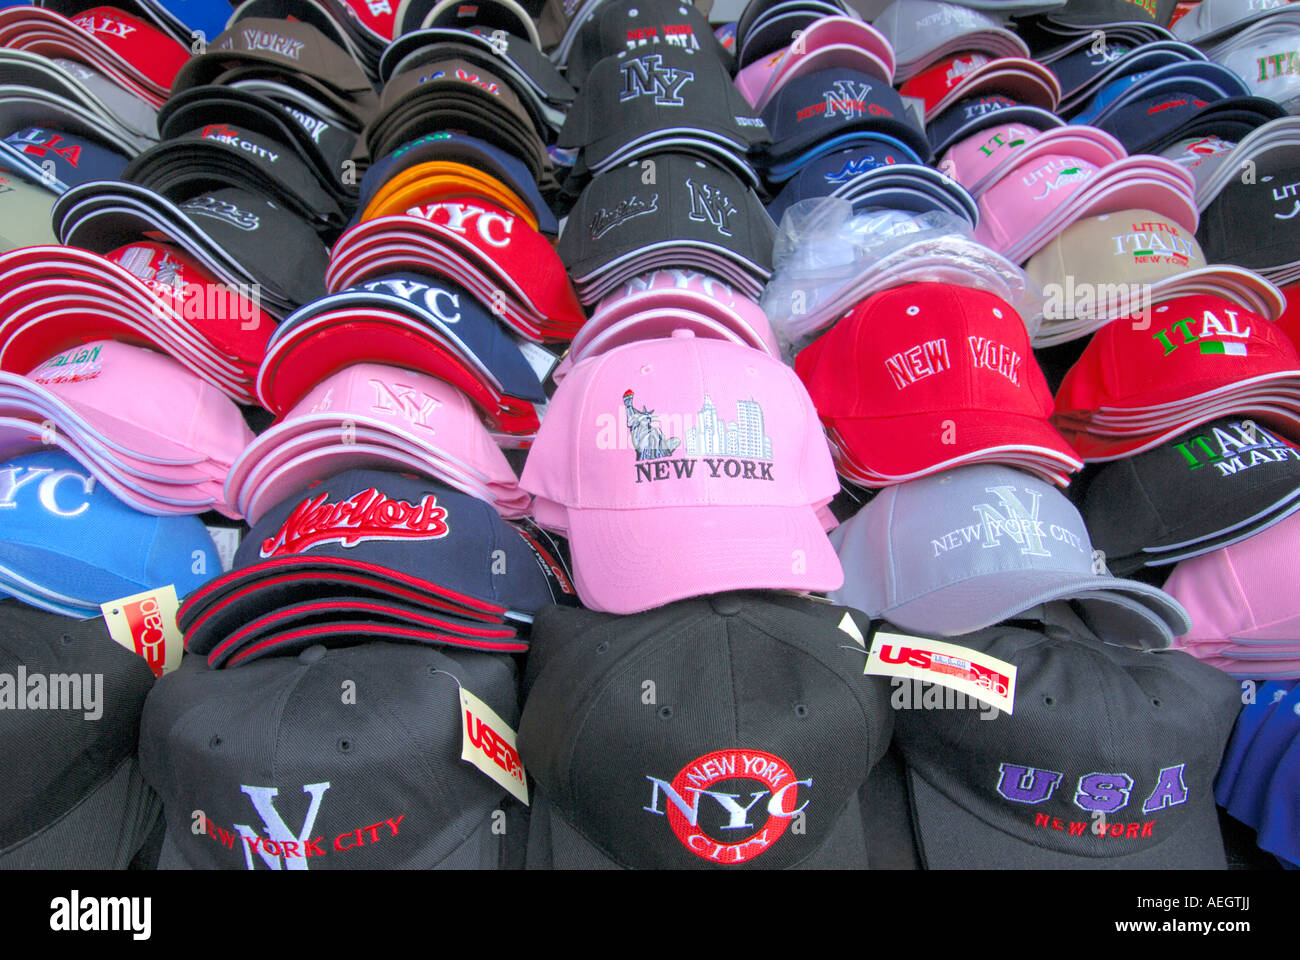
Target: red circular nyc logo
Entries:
(775, 805)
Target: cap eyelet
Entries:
(1049, 701)
(665, 712)
(345, 745)
(1155, 702)
(751, 371)
(913, 310)
(602, 647)
(214, 743)
(997, 313)
(648, 368)
(800, 710)
(65, 639)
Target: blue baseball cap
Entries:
(1249, 721)
(1279, 819)
(57, 159)
(824, 175)
(1249, 794)
(67, 544)
(1194, 77)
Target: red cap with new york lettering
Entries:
(1144, 379)
(927, 376)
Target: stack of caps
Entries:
(24, 213)
(374, 782)
(69, 545)
(680, 467)
(1212, 23)
(652, 306)
(1084, 66)
(290, 62)
(375, 416)
(1245, 613)
(243, 239)
(504, 51)
(53, 298)
(158, 437)
(1259, 780)
(1121, 18)
(1144, 380)
(969, 548)
(184, 22)
(217, 136)
(1261, 54)
(369, 555)
(960, 79)
(638, 218)
(1048, 186)
(1121, 264)
(601, 28)
(1216, 484)
(927, 377)
(1261, 189)
(1206, 156)
(365, 29)
(459, 94)
(135, 55)
(923, 32)
(644, 102)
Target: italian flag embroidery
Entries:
(1217, 346)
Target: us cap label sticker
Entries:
(145, 623)
(975, 674)
(488, 742)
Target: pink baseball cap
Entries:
(1243, 592)
(982, 160)
(1046, 192)
(972, 73)
(416, 411)
(685, 467)
(641, 310)
(826, 44)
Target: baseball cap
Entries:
(71, 544)
(288, 777)
(968, 117)
(1083, 13)
(634, 25)
(406, 410)
(671, 474)
(1218, 483)
(621, 227)
(75, 796)
(1119, 264)
(1083, 65)
(381, 535)
(1271, 248)
(970, 74)
(984, 158)
(1048, 787)
(620, 784)
(1207, 23)
(59, 159)
(968, 548)
(1138, 384)
(925, 31)
(24, 213)
(925, 376)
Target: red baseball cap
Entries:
(922, 377)
(970, 74)
(1143, 380)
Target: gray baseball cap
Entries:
(923, 31)
(971, 547)
(1212, 20)
(1108, 761)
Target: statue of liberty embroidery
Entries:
(648, 440)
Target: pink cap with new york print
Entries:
(682, 467)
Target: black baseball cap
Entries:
(74, 796)
(1252, 224)
(1151, 124)
(621, 227)
(640, 26)
(1215, 484)
(293, 773)
(968, 117)
(1107, 762)
(635, 99)
(1089, 13)
(754, 695)
(375, 534)
(830, 104)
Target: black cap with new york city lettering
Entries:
(1213, 485)
(1107, 760)
(643, 732)
(338, 759)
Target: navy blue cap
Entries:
(379, 534)
(1210, 80)
(1261, 761)
(447, 307)
(471, 151)
(1151, 124)
(824, 175)
(73, 159)
(1086, 67)
(1279, 822)
(830, 103)
(1249, 722)
(968, 117)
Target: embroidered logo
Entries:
(368, 515)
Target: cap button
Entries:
(683, 334)
(725, 604)
(313, 653)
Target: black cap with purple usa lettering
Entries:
(1106, 762)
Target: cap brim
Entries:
(618, 554)
(951, 838)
